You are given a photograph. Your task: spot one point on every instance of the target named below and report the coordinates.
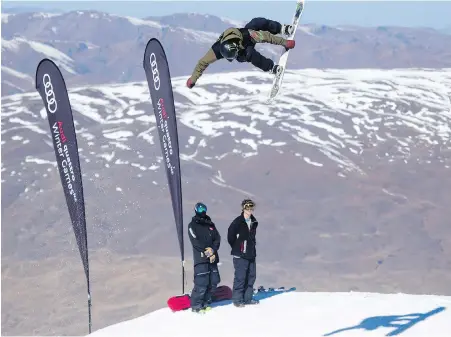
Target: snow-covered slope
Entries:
(301, 314)
(43, 49)
(321, 116)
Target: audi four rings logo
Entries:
(155, 73)
(49, 93)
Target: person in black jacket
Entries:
(206, 240)
(241, 237)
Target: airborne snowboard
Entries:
(182, 302)
(277, 82)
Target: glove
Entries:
(290, 44)
(190, 83)
(212, 258)
(209, 252)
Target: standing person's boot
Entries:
(197, 295)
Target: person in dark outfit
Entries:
(239, 44)
(206, 240)
(241, 237)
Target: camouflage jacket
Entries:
(246, 38)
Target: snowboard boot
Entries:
(276, 70)
(238, 304)
(252, 302)
(287, 30)
(201, 310)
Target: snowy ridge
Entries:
(139, 22)
(234, 23)
(62, 59)
(5, 17)
(16, 73)
(307, 314)
(322, 117)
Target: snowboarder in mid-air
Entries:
(239, 44)
(206, 240)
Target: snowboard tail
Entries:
(182, 302)
(277, 82)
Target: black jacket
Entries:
(241, 239)
(202, 233)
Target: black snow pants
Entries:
(253, 56)
(243, 282)
(206, 280)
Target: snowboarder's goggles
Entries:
(249, 206)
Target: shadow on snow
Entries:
(399, 323)
(258, 296)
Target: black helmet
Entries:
(200, 208)
(229, 50)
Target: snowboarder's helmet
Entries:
(247, 204)
(229, 50)
(200, 208)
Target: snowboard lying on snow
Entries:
(182, 302)
(271, 290)
(223, 293)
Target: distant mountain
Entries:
(94, 47)
(332, 135)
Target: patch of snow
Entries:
(63, 61)
(26, 125)
(311, 162)
(199, 36)
(147, 135)
(139, 22)
(31, 159)
(16, 73)
(107, 156)
(250, 142)
(220, 182)
(45, 15)
(5, 18)
(117, 134)
(233, 23)
(306, 30)
(141, 167)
